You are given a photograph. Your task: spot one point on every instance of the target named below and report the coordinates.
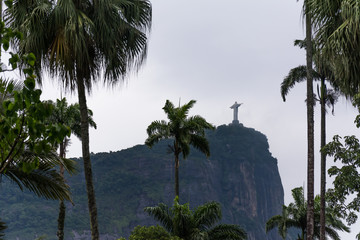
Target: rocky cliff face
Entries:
(241, 174)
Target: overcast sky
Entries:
(217, 52)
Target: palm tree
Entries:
(310, 120)
(336, 34)
(69, 116)
(336, 29)
(81, 41)
(310, 128)
(184, 130)
(283, 222)
(198, 224)
(295, 216)
(327, 97)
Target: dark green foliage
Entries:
(198, 224)
(294, 216)
(345, 197)
(347, 177)
(150, 233)
(184, 130)
(69, 115)
(240, 165)
(26, 138)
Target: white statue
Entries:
(235, 106)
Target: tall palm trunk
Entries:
(86, 158)
(61, 217)
(310, 131)
(323, 159)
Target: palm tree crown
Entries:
(80, 40)
(184, 130)
(195, 225)
(68, 115)
(294, 216)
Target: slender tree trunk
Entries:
(86, 158)
(323, 159)
(61, 221)
(61, 217)
(310, 132)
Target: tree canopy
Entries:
(198, 224)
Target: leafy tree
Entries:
(345, 196)
(184, 130)
(295, 216)
(26, 141)
(150, 233)
(198, 224)
(68, 116)
(9, 86)
(79, 41)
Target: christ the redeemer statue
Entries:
(235, 106)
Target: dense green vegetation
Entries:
(150, 233)
(97, 40)
(180, 221)
(27, 138)
(147, 176)
(294, 216)
(332, 27)
(344, 196)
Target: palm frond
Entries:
(183, 146)
(50, 159)
(227, 232)
(163, 214)
(197, 125)
(295, 75)
(279, 222)
(122, 37)
(156, 131)
(44, 181)
(332, 98)
(207, 215)
(169, 109)
(183, 111)
(200, 143)
(7, 89)
(336, 33)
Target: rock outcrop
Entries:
(241, 174)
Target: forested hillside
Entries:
(241, 174)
